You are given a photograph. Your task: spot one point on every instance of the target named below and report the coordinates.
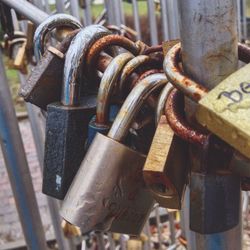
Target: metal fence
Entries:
(163, 11)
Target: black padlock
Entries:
(212, 193)
(67, 121)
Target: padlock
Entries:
(108, 192)
(225, 110)
(66, 131)
(215, 184)
(101, 122)
(165, 170)
(20, 61)
(44, 84)
(211, 199)
(50, 23)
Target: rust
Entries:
(174, 111)
(104, 43)
(103, 62)
(187, 85)
(244, 53)
(153, 49)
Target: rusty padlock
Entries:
(108, 192)
(44, 84)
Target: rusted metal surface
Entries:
(189, 87)
(130, 67)
(175, 115)
(108, 82)
(44, 84)
(52, 22)
(105, 43)
(153, 49)
(244, 53)
(184, 83)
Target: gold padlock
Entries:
(164, 173)
(225, 110)
(20, 61)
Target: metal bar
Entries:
(74, 9)
(37, 127)
(121, 12)
(158, 225)
(28, 10)
(244, 8)
(39, 4)
(239, 19)
(172, 227)
(60, 6)
(220, 30)
(136, 16)
(176, 18)
(147, 245)
(152, 22)
(47, 7)
(111, 242)
(164, 20)
(17, 168)
(171, 19)
(110, 11)
(100, 240)
(116, 12)
(87, 17)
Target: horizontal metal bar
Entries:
(27, 9)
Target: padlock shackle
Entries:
(189, 87)
(174, 111)
(160, 108)
(106, 43)
(74, 61)
(50, 23)
(108, 82)
(130, 67)
(182, 82)
(133, 104)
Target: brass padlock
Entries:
(108, 192)
(165, 170)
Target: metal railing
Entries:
(168, 16)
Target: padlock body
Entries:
(44, 84)
(214, 202)
(225, 110)
(109, 193)
(66, 132)
(166, 167)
